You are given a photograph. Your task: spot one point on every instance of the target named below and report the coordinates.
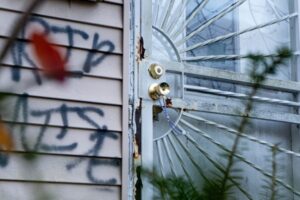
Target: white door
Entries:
(201, 45)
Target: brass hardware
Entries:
(156, 71)
(156, 90)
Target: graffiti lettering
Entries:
(20, 54)
(89, 63)
(98, 135)
(70, 32)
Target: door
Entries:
(196, 50)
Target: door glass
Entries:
(206, 33)
(221, 27)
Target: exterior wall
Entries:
(78, 129)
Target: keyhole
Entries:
(158, 70)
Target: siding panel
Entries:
(29, 191)
(110, 65)
(78, 115)
(77, 128)
(88, 89)
(66, 33)
(65, 169)
(75, 142)
(81, 11)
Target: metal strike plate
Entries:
(145, 79)
(156, 71)
(156, 90)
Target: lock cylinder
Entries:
(157, 90)
(156, 71)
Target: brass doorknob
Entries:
(156, 90)
(156, 71)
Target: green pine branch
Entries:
(219, 186)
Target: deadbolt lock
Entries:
(156, 71)
(157, 90)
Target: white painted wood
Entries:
(26, 141)
(30, 191)
(146, 27)
(82, 39)
(111, 114)
(82, 11)
(127, 142)
(54, 169)
(82, 89)
(147, 146)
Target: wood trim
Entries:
(125, 129)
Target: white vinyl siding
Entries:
(61, 121)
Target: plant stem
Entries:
(258, 77)
(274, 171)
(240, 129)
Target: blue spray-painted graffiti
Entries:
(3, 159)
(98, 136)
(90, 62)
(22, 113)
(20, 55)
